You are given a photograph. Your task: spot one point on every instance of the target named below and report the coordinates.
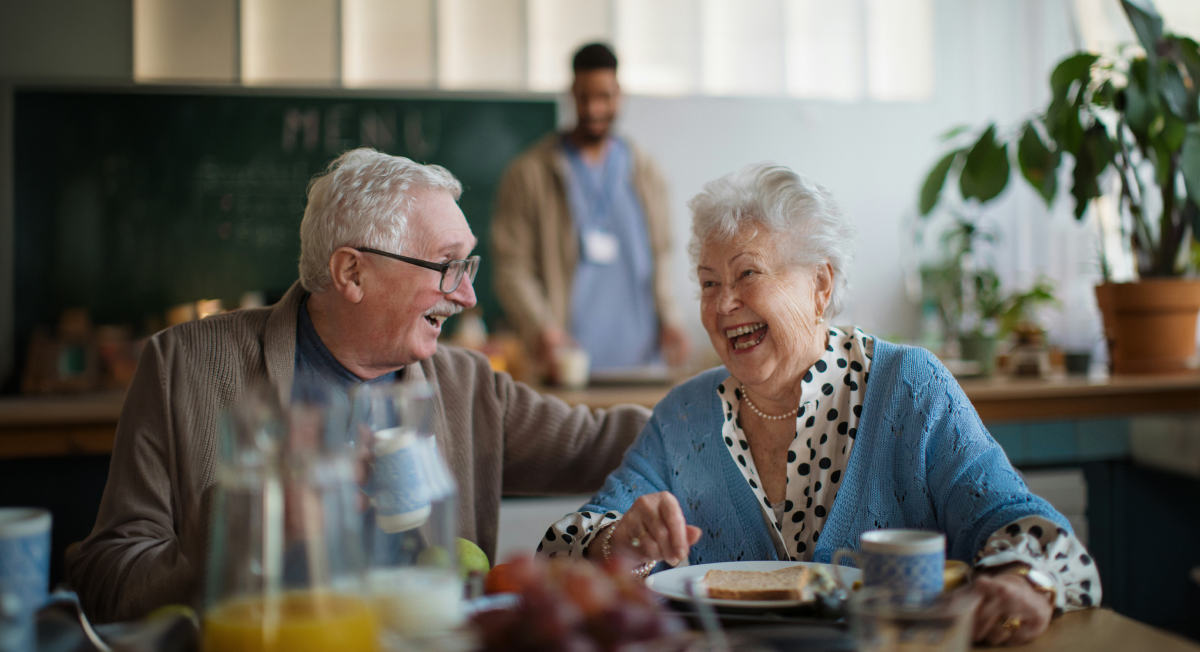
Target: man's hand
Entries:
(551, 338)
(1010, 611)
(657, 525)
(674, 344)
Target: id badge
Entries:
(600, 247)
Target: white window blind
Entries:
(845, 50)
(481, 44)
(183, 40)
(657, 43)
(556, 30)
(743, 47)
(290, 42)
(387, 43)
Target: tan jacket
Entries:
(536, 248)
(148, 546)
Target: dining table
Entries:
(1104, 630)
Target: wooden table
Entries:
(86, 424)
(1099, 630)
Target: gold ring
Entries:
(1011, 623)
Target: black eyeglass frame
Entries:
(437, 267)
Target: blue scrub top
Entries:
(613, 313)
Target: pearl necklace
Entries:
(746, 395)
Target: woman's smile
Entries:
(746, 336)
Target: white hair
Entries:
(811, 227)
(363, 199)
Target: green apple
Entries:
(471, 558)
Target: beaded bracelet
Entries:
(606, 551)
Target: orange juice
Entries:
(296, 622)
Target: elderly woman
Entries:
(790, 451)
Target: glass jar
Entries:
(411, 523)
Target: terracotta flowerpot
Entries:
(1150, 325)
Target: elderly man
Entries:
(385, 259)
(582, 237)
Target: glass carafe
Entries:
(410, 527)
(286, 565)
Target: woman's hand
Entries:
(1010, 611)
(654, 529)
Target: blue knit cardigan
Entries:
(922, 459)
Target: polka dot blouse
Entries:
(831, 398)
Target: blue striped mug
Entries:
(900, 560)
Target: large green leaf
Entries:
(1094, 155)
(932, 190)
(1039, 165)
(1074, 68)
(1191, 216)
(1189, 162)
(951, 133)
(1174, 93)
(1147, 24)
(985, 172)
(1062, 123)
(1137, 102)
(1172, 133)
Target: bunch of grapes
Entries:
(575, 607)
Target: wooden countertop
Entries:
(63, 425)
(999, 399)
(1101, 630)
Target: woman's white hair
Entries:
(363, 199)
(811, 227)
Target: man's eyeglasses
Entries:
(452, 271)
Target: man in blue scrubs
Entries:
(581, 237)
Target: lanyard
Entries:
(596, 190)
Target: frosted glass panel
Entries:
(657, 45)
(481, 43)
(1102, 25)
(556, 30)
(290, 42)
(900, 50)
(387, 43)
(824, 44)
(184, 40)
(743, 47)
(1181, 16)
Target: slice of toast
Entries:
(782, 584)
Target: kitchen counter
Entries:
(86, 424)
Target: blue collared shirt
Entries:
(317, 370)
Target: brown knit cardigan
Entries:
(148, 546)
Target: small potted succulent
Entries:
(1129, 121)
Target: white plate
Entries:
(673, 583)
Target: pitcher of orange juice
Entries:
(286, 567)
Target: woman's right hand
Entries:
(656, 523)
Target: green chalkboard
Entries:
(128, 203)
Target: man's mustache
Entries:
(444, 308)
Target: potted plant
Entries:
(1029, 355)
(1130, 121)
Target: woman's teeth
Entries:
(742, 332)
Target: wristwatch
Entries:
(1039, 580)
